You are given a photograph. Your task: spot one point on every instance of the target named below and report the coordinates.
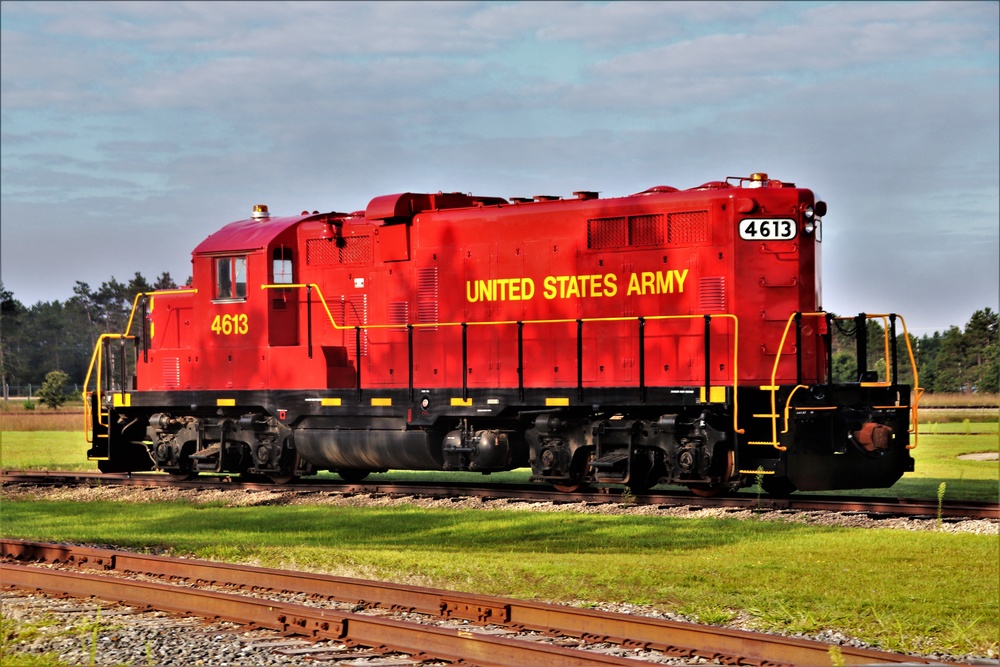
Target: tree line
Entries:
(958, 360)
(61, 335)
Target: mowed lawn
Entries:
(918, 591)
(937, 460)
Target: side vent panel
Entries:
(427, 297)
(713, 294)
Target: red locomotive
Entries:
(670, 336)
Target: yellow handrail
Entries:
(135, 302)
(917, 390)
(736, 329)
(773, 387)
(97, 358)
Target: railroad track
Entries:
(492, 631)
(874, 506)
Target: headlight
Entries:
(809, 214)
(810, 225)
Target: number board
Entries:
(764, 229)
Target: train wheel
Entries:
(282, 479)
(182, 475)
(707, 490)
(352, 475)
(636, 488)
(779, 487)
(570, 487)
(711, 490)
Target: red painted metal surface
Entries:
(446, 259)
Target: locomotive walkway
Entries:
(495, 631)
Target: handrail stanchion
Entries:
(708, 359)
(892, 342)
(409, 355)
(798, 348)
(465, 361)
(145, 329)
(642, 359)
(357, 358)
(309, 320)
(829, 353)
(520, 360)
(861, 343)
(121, 361)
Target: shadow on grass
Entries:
(379, 528)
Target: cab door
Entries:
(283, 304)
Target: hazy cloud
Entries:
(151, 124)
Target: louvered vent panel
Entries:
(687, 227)
(427, 297)
(356, 314)
(607, 233)
(713, 294)
(645, 230)
(171, 372)
(399, 313)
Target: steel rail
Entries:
(452, 644)
(914, 507)
(670, 637)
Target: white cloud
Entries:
(160, 115)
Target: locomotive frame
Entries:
(536, 387)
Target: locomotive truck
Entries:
(669, 336)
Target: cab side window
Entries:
(282, 266)
(231, 278)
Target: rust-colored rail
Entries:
(950, 509)
(440, 643)
(670, 637)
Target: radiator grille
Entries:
(349, 250)
(607, 233)
(645, 230)
(633, 230)
(356, 250)
(321, 251)
(687, 227)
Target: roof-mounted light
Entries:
(260, 212)
(758, 180)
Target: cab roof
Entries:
(246, 235)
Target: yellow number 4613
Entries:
(227, 325)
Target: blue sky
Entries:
(132, 130)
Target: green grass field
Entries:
(936, 461)
(918, 591)
(904, 590)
